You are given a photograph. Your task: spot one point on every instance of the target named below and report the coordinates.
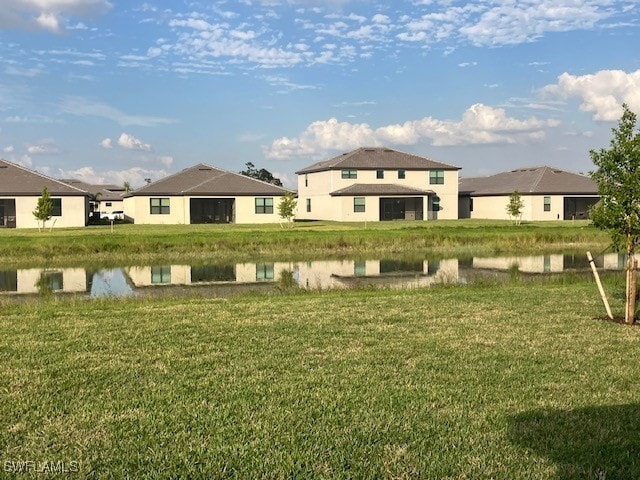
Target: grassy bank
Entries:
(147, 243)
(450, 382)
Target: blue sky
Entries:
(114, 91)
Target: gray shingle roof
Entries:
(203, 179)
(530, 180)
(383, 189)
(107, 192)
(366, 158)
(16, 180)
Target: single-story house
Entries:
(547, 193)
(105, 198)
(374, 184)
(204, 194)
(20, 189)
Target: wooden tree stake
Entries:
(597, 277)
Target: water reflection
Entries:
(229, 279)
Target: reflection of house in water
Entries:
(388, 273)
(556, 263)
(39, 280)
(223, 280)
(207, 274)
(310, 275)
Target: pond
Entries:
(223, 280)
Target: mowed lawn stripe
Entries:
(450, 382)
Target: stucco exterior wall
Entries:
(318, 185)
(74, 212)
(533, 207)
(139, 209)
(115, 206)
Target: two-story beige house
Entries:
(374, 184)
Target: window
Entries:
(348, 173)
(401, 174)
(308, 204)
(358, 204)
(547, 204)
(436, 177)
(435, 204)
(360, 268)
(160, 206)
(471, 204)
(160, 275)
(264, 271)
(306, 180)
(379, 174)
(56, 203)
(264, 205)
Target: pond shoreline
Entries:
(143, 244)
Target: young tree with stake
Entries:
(618, 212)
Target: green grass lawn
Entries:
(137, 244)
(510, 382)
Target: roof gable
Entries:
(529, 180)
(203, 179)
(369, 158)
(20, 181)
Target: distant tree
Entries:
(148, 180)
(44, 208)
(514, 207)
(262, 174)
(287, 208)
(127, 187)
(618, 212)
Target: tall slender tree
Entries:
(514, 207)
(44, 208)
(287, 208)
(618, 212)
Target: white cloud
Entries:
(511, 23)
(106, 143)
(131, 143)
(601, 93)
(135, 175)
(49, 21)
(480, 124)
(23, 72)
(165, 160)
(201, 39)
(500, 22)
(49, 15)
(25, 161)
(83, 107)
(43, 147)
(322, 136)
(8, 149)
